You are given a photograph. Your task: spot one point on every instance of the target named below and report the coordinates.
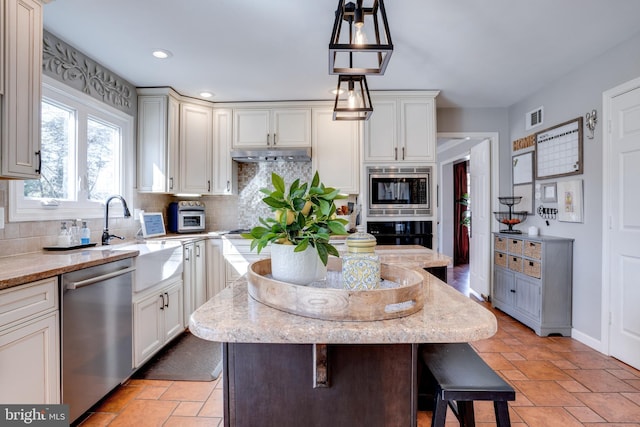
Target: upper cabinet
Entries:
(175, 143)
(20, 81)
(224, 169)
(336, 151)
(158, 135)
(272, 127)
(196, 145)
(402, 127)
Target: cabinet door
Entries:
(381, 136)
(417, 130)
(251, 128)
(30, 362)
(291, 127)
(148, 327)
(503, 286)
(173, 311)
(528, 296)
(157, 119)
(173, 146)
(200, 274)
(188, 262)
(223, 166)
(196, 144)
(20, 138)
(216, 268)
(336, 148)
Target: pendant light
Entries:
(360, 40)
(352, 99)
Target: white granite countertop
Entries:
(447, 316)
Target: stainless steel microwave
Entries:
(399, 191)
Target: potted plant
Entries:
(299, 232)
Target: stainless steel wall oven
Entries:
(399, 191)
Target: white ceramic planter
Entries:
(300, 268)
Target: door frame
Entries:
(494, 142)
(607, 209)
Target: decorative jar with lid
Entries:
(360, 265)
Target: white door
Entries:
(479, 235)
(624, 228)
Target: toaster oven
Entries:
(186, 217)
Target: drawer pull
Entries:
(513, 291)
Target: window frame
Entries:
(22, 209)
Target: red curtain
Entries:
(460, 235)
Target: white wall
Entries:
(572, 96)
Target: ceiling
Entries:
(478, 53)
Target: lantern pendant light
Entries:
(352, 99)
(360, 40)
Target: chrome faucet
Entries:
(106, 237)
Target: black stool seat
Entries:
(461, 376)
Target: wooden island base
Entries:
(274, 385)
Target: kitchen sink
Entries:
(158, 260)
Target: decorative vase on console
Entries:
(304, 220)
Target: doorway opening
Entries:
(481, 150)
(461, 212)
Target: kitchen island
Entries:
(287, 370)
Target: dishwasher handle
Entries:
(91, 281)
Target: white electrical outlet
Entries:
(1, 218)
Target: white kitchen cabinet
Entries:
(216, 268)
(532, 281)
(273, 127)
(194, 276)
(225, 170)
(29, 344)
(158, 137)
(402, 128)
(196, 145)
(158, 317)
(336, 151)
(21, 51)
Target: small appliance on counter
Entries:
(186, 216)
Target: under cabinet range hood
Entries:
(253, 155)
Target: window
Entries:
(85, 147)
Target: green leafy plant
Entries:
(304, 215)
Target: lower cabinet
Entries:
(194, 276)
(29, 344)
(157, 318)
(532, 281)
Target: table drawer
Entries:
(500, 259)
(531, 268)
(533, 250)
(515, 263)
(500, 243)
(515, 246)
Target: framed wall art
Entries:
(523, 168)
(570, 200)
(548, 193)
(527, 202)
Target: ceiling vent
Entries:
(534, 118)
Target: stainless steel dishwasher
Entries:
(97, 325)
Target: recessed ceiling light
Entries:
(206, 94)
(162, 53)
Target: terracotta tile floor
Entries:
(558, 382)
